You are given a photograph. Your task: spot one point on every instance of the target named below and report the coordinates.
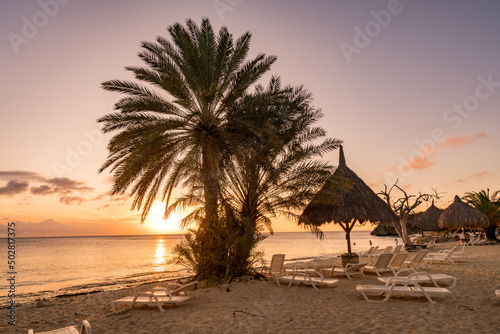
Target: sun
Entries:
(156, 222)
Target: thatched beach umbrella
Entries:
(462, 215)
(346, 200)
(428, 221)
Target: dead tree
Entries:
(404, 207)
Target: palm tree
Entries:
(274, 171)
(487, 204)
(173, 121)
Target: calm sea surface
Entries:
(48, 267)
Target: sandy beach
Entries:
(254, 306)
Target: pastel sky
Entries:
(411, 87)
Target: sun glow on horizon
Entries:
(158, 224)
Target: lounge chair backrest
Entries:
(355, 267)
(375, 249)
(398, 249)
(419, 257)
(370, 251)
(277, 262)
(383, 260)
(399, 260)
(387, 250)
(450, 251)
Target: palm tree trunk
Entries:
(210, 186)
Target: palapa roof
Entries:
(428, 221)
(462, 215)
(344, 198)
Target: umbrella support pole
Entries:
(349, 257)
(347, 229)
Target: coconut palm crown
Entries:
(172, 121)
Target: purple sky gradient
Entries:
(402, 89)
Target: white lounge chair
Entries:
(372, 251)
(438, 280)
(387, 249)
(305, 278)
(149, 299)
(369, 251)
(349, 270)
(417, 260)
(84, 329)
(279, 274)
(460, 255)
(444, 256)
(402, 287)
(376, 253)
(398, 262)
(398, 249)
(381, 265)
(445, 251)
(482, 241)
(276, 267)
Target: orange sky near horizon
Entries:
(411, 87)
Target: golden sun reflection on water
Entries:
(160, 259)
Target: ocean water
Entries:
(49, 267)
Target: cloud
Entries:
(66, 185)
(19, 182)
(476, 177)
(424, 158)
(16, 175)
(455, 142)
(420, 163)
(71, 200)
(14, 187)
(41, 190)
